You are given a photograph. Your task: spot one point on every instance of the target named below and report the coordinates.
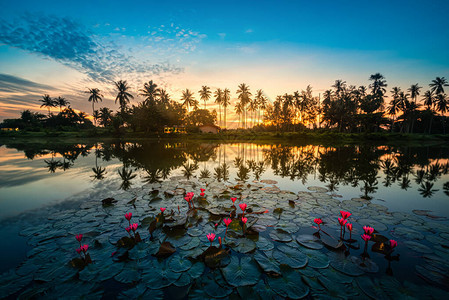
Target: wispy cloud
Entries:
(14, 84)
(71, 44)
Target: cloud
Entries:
(249, 30)
(13, 84)
(71, 44)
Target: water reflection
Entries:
(365, 167)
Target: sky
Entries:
(62, 48)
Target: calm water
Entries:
(35, 177)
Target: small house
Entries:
(209, 128)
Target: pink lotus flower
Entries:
(393, 244)
(78, 250)
(79, 237)
(318, 221)
(227, 221)
(366, 237)
(202, 190)
(128, 216)
(244, 220)
(202, 194)
(84, 248)
(163, 209)
(219, 240)
(216, 225)
(128, 229)
(345, 214)
(342, 221)
(243, 206)
(349, 226)
(211, 237)
(233, 199)
(134, 226)
(368, 230)
(187, 198)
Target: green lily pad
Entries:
(394, 289)
(196, 270)
(267, 263)
(418, 247)
(245, 246)
(264, 244)
(309, 241)
(177, 263)
(11, 283)
(280, 235)
(407, 233)
(289, 285)
(240, 272)
(317, 259)
(215, 286)
(370, 288)
(334, 275)
(290, 257)
(158, 275)
(344, 264)
(378, 226)
(129, 274)
(365, 264)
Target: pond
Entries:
(286, 242)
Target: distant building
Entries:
(174, 129)
(209, 128)
(10, 129)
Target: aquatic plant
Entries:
(349, 226)
(227, 222)
(318, 222)
(85, 257)
(368, 230)
(342, 223)
(244, 220)
(211, 237)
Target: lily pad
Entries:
(365, 264)
(158, 275)
(344, 264)
(241, 271)
(309, 241)
(418, 247)
(289, 285)
(177, 263)
(370, 288)
(245, 245)
(317, 259)
(267, 263)
(280, 235)
(264, 244)
(290, 257)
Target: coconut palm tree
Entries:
(442, 106)
(123, 96)
(96, 116)
(438, 84)
(244, 96)
(219, 100)
(394, 108)
(226, 100)
(61, 101)
(95, 96)
(189, 100)
(47, 102)
(429, 101)
(261, 103)
(238, 111)
(414, 90)
(379, 84)
(205, 94)
(164, 96)
(150, 92)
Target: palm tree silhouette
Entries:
(164, 96)
(150, 92)
(189, 100)
(226, 100)
(47, 102)
(442, 105)
(95, 96)
(429, 102)
(244, 96)
(61, 101)
(438, 84)
(426, 189)
(189, 169)
(219, 100)
(123, 96)
(126, 176)
(205, 94)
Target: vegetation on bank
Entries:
(343, 109)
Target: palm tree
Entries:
(244, 97)
(95, 96)
(164, 96)
(438, 84)
(261, 102)
(188, 100)
(123, 95)
(61, 101)
(105, 116)
(47, 102)
(219, 100)
(442, 105)
(226, 100)
(394, 108)
(379, 84)
(205, 94)
(150, 92)
(96, 116)
(429, 101)
(414, 91)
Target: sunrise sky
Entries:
(64, 47)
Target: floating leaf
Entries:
(344, 264)
(177, 263)
(158, 275)
(309, 241)
(245, 245)
(280, 235)
(196, 270)
(165, 250)
(290, 257)
(317, 259)
(264, 244)
(214, 257)
(370, 288)
(267, 263)
(289, 285)
(129, 274)
(365, 264)
(241, 271)
(418, 247)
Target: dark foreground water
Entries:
(51, 191)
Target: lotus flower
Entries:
(393, 244)
(78, 250)
(345, 214)
(84, 248)
(368, 230)
(349, 226)
(243, 206)
(202, 194)
(366, 237)
(211, 237)
(202, 190)
(128, 229)
(318, 221)
(219, 240)
(233, 199)
(244, 220)
(227, 221)
(134, 226)
(79, 237)
(128, 216)
(187, 198)
(163, 209)
(342, 221)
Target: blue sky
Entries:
(279, 46)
